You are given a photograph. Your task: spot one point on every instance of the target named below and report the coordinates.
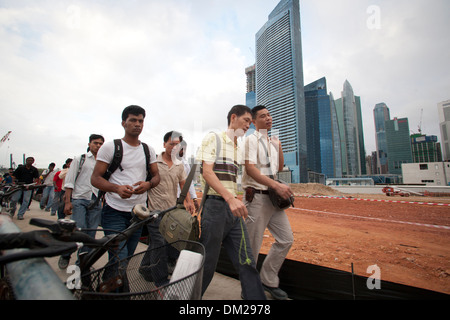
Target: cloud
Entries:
(84, 63)
(403, 62)
(68, 68)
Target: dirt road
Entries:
(410, 242)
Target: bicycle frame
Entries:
(46, 285)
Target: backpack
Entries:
(117, 159)
(116, 164)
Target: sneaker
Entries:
(19, 217)
(63, 262)
(276, 293)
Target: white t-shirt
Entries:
(133, 165)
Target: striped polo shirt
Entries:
(227, 165)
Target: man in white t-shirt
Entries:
(128, 185)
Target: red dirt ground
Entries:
(409, 242)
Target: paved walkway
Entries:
(221, 287)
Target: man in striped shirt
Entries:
(223, 213)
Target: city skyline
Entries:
(68, 69)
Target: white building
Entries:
(429, 173)
(444, 125)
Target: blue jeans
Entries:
(48, 194)
(25, 202)
(113, 219)
(86, 218)
(158, 254)
(221, 227)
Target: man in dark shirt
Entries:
(25, 174)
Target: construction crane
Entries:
(420, 122)
(5, 137)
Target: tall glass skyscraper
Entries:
(380, 115)
(322, 130)
(349, 117)
(398, 144)
(279, 82)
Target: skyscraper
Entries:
(279, 82)
(322, 130)
(348, 109)
(380, 115)
(398, 144)
(444, 124)
(250, 96)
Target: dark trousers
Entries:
(221, 227)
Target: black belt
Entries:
(215, 197)
(262, 191)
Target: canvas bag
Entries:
(179, 224)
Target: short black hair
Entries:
(256, 109)
(134, 110)
(95, 137)
(238, 110)
(175, 134)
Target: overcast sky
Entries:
(69, 68)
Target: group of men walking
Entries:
(144, 177)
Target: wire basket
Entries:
(162, 273)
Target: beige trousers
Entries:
(262, 215)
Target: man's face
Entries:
(171, 147)
(94, 145)
(263, 120)
(241, 124)
(134, 124)
(29, 161)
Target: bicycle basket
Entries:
(149, 275)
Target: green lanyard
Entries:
(243, 242)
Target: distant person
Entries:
(128, 185)
(223, 213)
(24, 174)
(80, 194)
(59, 181)
(264, 158)
(48, 192)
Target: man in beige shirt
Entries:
(263, 159)
(162, 197)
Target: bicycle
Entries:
(7, 192)
(117, 279)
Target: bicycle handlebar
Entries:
(18, 187)
(63, 237)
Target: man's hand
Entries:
(68, 208)
(141, 187)
(238, 208)
(125, 191)
(283, 190)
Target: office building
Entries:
(250, 96)
(425, 148)
(279, 82)
(322, 130)
(398, 144)
(380, 115)
(348, 111)
(444, 125)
